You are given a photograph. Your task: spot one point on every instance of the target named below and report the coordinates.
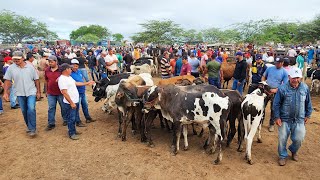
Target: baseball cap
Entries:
(17, 55)
(6, 59)
(74, 61)
(279, 59)
(295, 72)
(64, 66)
(258, 56)
(239, 54)
(52, 57)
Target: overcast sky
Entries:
(124, 16)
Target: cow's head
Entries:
(265, 89)
(127, 94)
(99, 91)
(151, 98)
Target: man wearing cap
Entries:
(240, 73)
(54, 95)
(68, 88)
(275, 76)
(27, 85)
(292, 109)
(257, 70)
(165, 66)
(78, 77)
(111, 62)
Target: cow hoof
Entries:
(228, 144)
(151, 145)
(124, 138)
(200, 135)
(216, 162)
(119, 135)
(259, 140)
(195, 133)
(133, 132)
(185, 148)
(239, 149)
(250, 162)
(143, 140)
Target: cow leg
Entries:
(120, 117)
(232, 130)
(219, 156)
(259, 135)
(142, 126)
(126, 122)
(176, 137)
(240, 134)
(201, 132)
(194, 129)
(161, 118)
(185, 136)
(250, 137)
(148, 122)
(165, 121)
(134, 124)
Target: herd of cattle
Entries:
(183, 100)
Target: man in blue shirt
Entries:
(77, 76)
(292, 109)
(275, 76)
(310, 55)
(178, 66)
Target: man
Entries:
(204, 60)
(186, 67)
(92, 63)
(195, 64)
(13, 98)
(111, 62)
(128, 60)
(165, 66)
(102, 64)
(310, 55)
(120, 60)
(173, 61)
(54, 95)
(292, 109)
(27, 85)
(77, 76)
(275, 76)
(292, 52)
(215, 76)
(257, 70)
(240, 73)
(70, 55)
(67, 86)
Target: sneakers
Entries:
(78, 133)
(271, 128)
(74, 137)
(16, 106)
(282, 162)
(65, 123)
(1, 112)
(80, 124)
(294, 156)
(32, 134)
(50, 127)
(89, 120)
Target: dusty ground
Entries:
(99, 154)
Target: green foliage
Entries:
(88, 38)
(15, 28)
(117, 37)
(97, 30)
(214, 35)
(158, 32)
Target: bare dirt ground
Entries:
(99, 154)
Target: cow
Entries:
(201, 104)
(173, 80)
(253, 110)
(143, 65)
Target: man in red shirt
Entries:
(186, 67)
(54, 95)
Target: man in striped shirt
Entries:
(165, 66)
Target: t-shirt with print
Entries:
(68, 83)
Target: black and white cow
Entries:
(253, 110)
(99, 88)
(202, 104)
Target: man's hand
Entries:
(6, 97)
(278, 122)
(91, 82)
(38, 95)
(306, 119)
(274, 90)
(73, 105)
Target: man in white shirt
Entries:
(69, 54)
(111, 62)
(292, 52)
(67, 86)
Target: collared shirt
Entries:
(276, 77)
(52, 84)
(23, 79)
(292, 104)
(77, 76)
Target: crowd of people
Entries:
(65, 76)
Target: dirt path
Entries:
(99, 154)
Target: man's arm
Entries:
(243, 72)
(7, 85)
(84, 83)
(37, 82)
(67, 97)
(308, 105)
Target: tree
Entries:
(15, 28)
(191, 35)
(117, 37)
(158, 32)
(97, 30)
(88, 38)
(211, 35)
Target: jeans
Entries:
(215, 82)
(52, 104)
(271, 110)
(84, 73)
(310, 61)
(93, 71)
(1, 107)
(13, 97)
(165, 77)
(235, 85)
(71, 118)
(84, 104)
(296, 131)
(28, 108)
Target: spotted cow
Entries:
(201, 104)
(253, 110)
